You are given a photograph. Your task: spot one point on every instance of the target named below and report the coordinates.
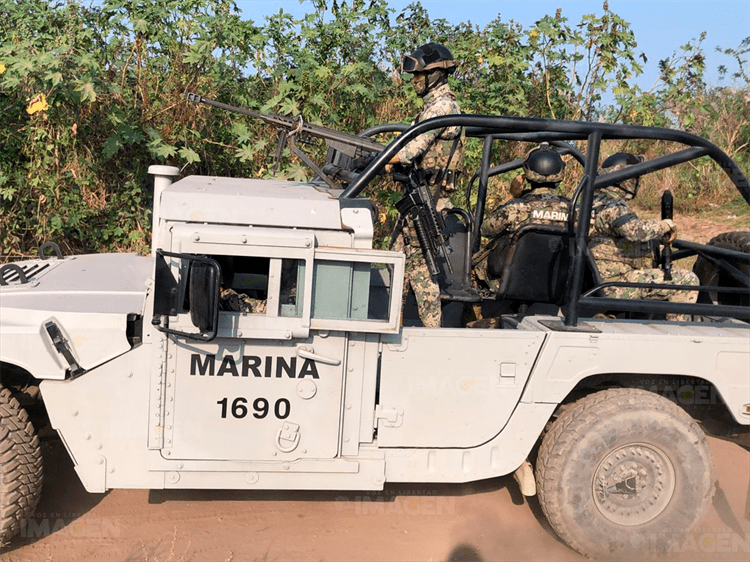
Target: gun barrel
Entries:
(296, 126)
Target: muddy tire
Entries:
(623, 474)
(709, 274)
(20, 467)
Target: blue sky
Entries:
(660, 26)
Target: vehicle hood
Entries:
(89, 298)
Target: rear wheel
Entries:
(711, 275)
(20, 467)
(623, 473)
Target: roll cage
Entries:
(560, 134)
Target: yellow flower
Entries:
(38, 103)
(2, 68)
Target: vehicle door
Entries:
(269, 386)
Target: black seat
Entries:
(455, 282)
(532, 264)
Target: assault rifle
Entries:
(429, 226)
(293, 130)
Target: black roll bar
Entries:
(530, 129)
(575, 281)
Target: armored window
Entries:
(356, 290)
(247, 282)
(266, 275)
(292, 288)
(244, 283)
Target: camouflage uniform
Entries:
(430, 152)
(619, 243)
(542, 205)
(233, 301)
(417, 277)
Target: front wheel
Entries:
(624, 473)
(20, 467)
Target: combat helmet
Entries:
(433, 61)
(618, 161)
(543, 165)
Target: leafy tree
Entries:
(94, 92)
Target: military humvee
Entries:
(151, 384)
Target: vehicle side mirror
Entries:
(197, 292)
(203, 295)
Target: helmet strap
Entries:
(436, 78)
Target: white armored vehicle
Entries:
(151, 383)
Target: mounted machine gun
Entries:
(293, 130)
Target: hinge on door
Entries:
(391, 416)
(157, 427)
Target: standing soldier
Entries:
(540, 203)
(437, 154)
(620, 242)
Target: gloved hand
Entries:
(670, 230)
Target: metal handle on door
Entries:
(307, 352)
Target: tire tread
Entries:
(574, 420)
(21, 473)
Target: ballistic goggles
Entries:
(411, 65)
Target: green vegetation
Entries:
(91, 95)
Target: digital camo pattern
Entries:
(651, 275)
(541, 206)
(618, 235)
(233, 301)
(627, 188)
(480, 278)
(531, 175)
(430, 151)
(417, 277)
(619, 244)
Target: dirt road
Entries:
(487, 521)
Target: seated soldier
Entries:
(620, 242)
(231, 300)
(540, 203)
